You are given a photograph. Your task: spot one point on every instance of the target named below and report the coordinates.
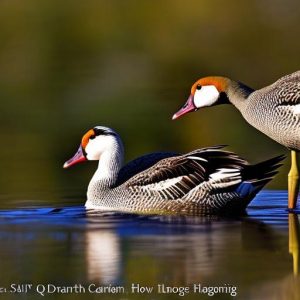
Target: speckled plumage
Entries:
(205, 181)
(274, 110)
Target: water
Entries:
(256, 254)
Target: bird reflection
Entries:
(103, 253)
(103, 256)
(156, 239)
(186, 249)
(288, 287)
(294, 241)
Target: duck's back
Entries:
(140, 164)
(275, 110)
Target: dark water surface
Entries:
(256, 254)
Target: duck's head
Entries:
(93, 144)
(207, 91)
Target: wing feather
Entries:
(174, 177)
(140, 164)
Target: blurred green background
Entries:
(66, 66)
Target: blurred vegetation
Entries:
(66, 66)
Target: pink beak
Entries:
(189, 106)
(77, 158)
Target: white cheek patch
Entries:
(91, 150)
(96, 146)
(206, 96)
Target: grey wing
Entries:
(289, 94)
(218, 189)
(281, 93)
(285, 91)
(220, 196)
(140, 164)
(174, 177)
(170, 178)
(294, 77)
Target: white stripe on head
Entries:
(206, 96)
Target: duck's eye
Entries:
(198, 87)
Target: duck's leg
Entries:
(293, 181)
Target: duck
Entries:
(206, 181)
(274, 110)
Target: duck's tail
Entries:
(255, 177)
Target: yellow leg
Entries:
(293, 181)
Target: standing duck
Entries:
(274, 110)
(205, 181)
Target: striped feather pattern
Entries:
(204, 181)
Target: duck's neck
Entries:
(238, 93)
(108, 169)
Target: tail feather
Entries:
(255, 177)
(263, 170)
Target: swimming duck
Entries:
(273, 110)
(204, 181)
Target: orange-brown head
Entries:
(207, 91)
(92, 145)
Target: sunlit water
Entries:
(255, 255)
